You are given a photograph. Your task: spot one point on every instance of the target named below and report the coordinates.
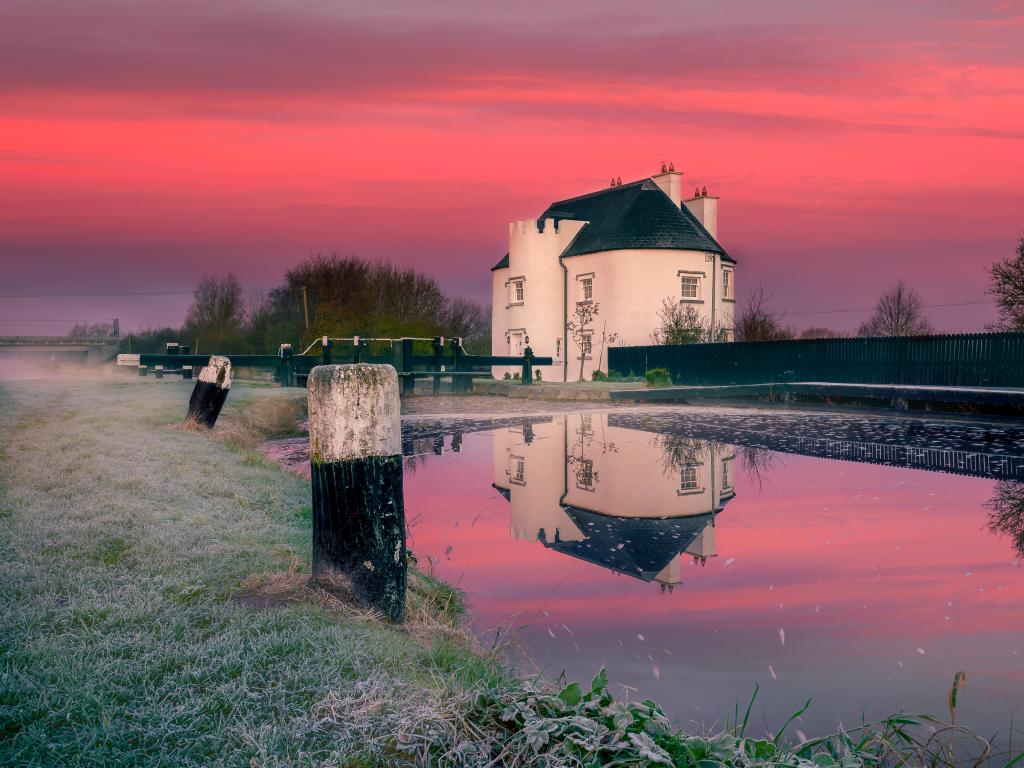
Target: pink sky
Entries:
(145, 144)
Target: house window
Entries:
(726, 475)
(586, 424)
(558, 349)
(585, 474)
(587, 344)
(688, 479)
(690, 287)
(587, 289)
(518, 293)
(727, 283)
(518, 470)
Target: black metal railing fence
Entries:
(971, 359)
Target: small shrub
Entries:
(599, 375)
(658, 377)
(538, 375)
(515, 376)
(507, 376)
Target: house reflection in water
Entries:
(623, 499)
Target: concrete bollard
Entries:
(355, 449)
(210, 392)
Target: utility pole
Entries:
(305, 310)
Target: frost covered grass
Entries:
(156, 610)
(125, 546)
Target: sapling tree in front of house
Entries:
(578, 327)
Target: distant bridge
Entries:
(85, 350)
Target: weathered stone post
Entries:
(210, 392)
(355, 449)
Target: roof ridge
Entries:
(604, 191)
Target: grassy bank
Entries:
(124, 547)
(155, 610)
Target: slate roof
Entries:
(635, 546)
(634, 215)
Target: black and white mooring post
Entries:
(210, 392)
(355, 448)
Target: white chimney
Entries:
(705, 208)
(671, 183)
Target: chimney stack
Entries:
(705, 208)
(671, 182)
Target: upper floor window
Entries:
(690, 287)
(688, 479)
(518, 292)
(727, 283)
(587, 289)
(517, 470)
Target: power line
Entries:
(872, 309)
(102, 294)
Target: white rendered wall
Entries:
(533, 257)
(630, 285)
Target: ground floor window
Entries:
(585, 474)
(690, 287)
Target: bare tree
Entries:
(820, 332)
(899, 312)
(579, 330)
(217, 314)
(684, 324)
(471, 321)
(1006, 512)
(92, 329)
(760, 320)
(1007, 285)
(607, 339)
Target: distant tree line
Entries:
(327, 295)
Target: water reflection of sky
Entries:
(852, 583)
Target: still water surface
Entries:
(861, 561)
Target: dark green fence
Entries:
(973, 359)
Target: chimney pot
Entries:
(663, 168)
(672, 167)
(704, 192)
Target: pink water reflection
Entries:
(859, 585)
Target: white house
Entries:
(627, 248)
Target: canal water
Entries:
(859, 561)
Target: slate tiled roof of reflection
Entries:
(638, 547)
(637, 215)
